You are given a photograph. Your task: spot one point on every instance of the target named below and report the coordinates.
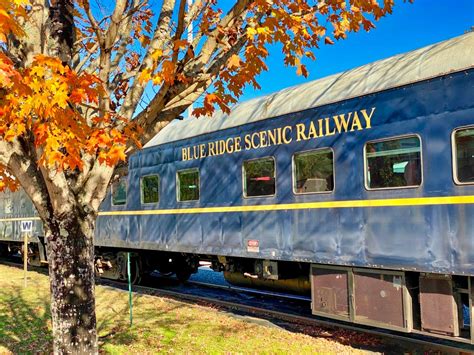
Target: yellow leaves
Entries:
(263, 30)
(115, 154)
(251, 32)
(145, 76)
(234, 61)
(21, 2)
(157, 54)
(163, 67)
(48, 98)
(38, 71)
(344, 24)
(10, 12)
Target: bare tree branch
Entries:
(93, 21)
(124, 33)
(172, 101)
(87, 57)
(160, 37)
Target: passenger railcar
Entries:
(357, 189)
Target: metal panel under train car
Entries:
(330, 292)
(381, 298)
(438, 307)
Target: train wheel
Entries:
(136, 271)
(34, 256)
(183, 275)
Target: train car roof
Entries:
(439, 59)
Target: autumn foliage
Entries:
(49, 102)
(59, 108)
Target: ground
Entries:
(161, 325)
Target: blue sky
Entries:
(411, 26)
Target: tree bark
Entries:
(71, 271)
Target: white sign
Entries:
(26, 226)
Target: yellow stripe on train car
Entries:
(392, 202)
(396, 202)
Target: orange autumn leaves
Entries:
(295, 26)
(56, 107)
(10, 11)
(60, 108)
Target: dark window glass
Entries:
(119, 192)
(393, 163)
(150, 189)
(188, 185)
(259, 177)
(314, 171)
(464, 142)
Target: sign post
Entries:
(26, 227)
(25, 258)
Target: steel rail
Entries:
(250, 290)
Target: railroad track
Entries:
(307, 320)
(250, 291)
(172, 291)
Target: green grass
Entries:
(161, 325)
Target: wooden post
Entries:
(26, 227)
(25, 259)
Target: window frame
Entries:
(293, 171)
(454, 165)
(112, 193)
(243, 177)
(408, 135)
(178, 184)
(141, 189)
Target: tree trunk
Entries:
(72, 280)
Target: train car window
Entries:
(393, 163)
(119, 192)
(259, 177)
(313, 171)
(150, 187)
(188, 185)
(464, 155)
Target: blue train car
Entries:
(359, 183)
(357, 189)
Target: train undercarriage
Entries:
(439, 305)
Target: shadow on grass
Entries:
(151, 327)
(25, 321)
(23, 324)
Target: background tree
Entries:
(83, 87)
